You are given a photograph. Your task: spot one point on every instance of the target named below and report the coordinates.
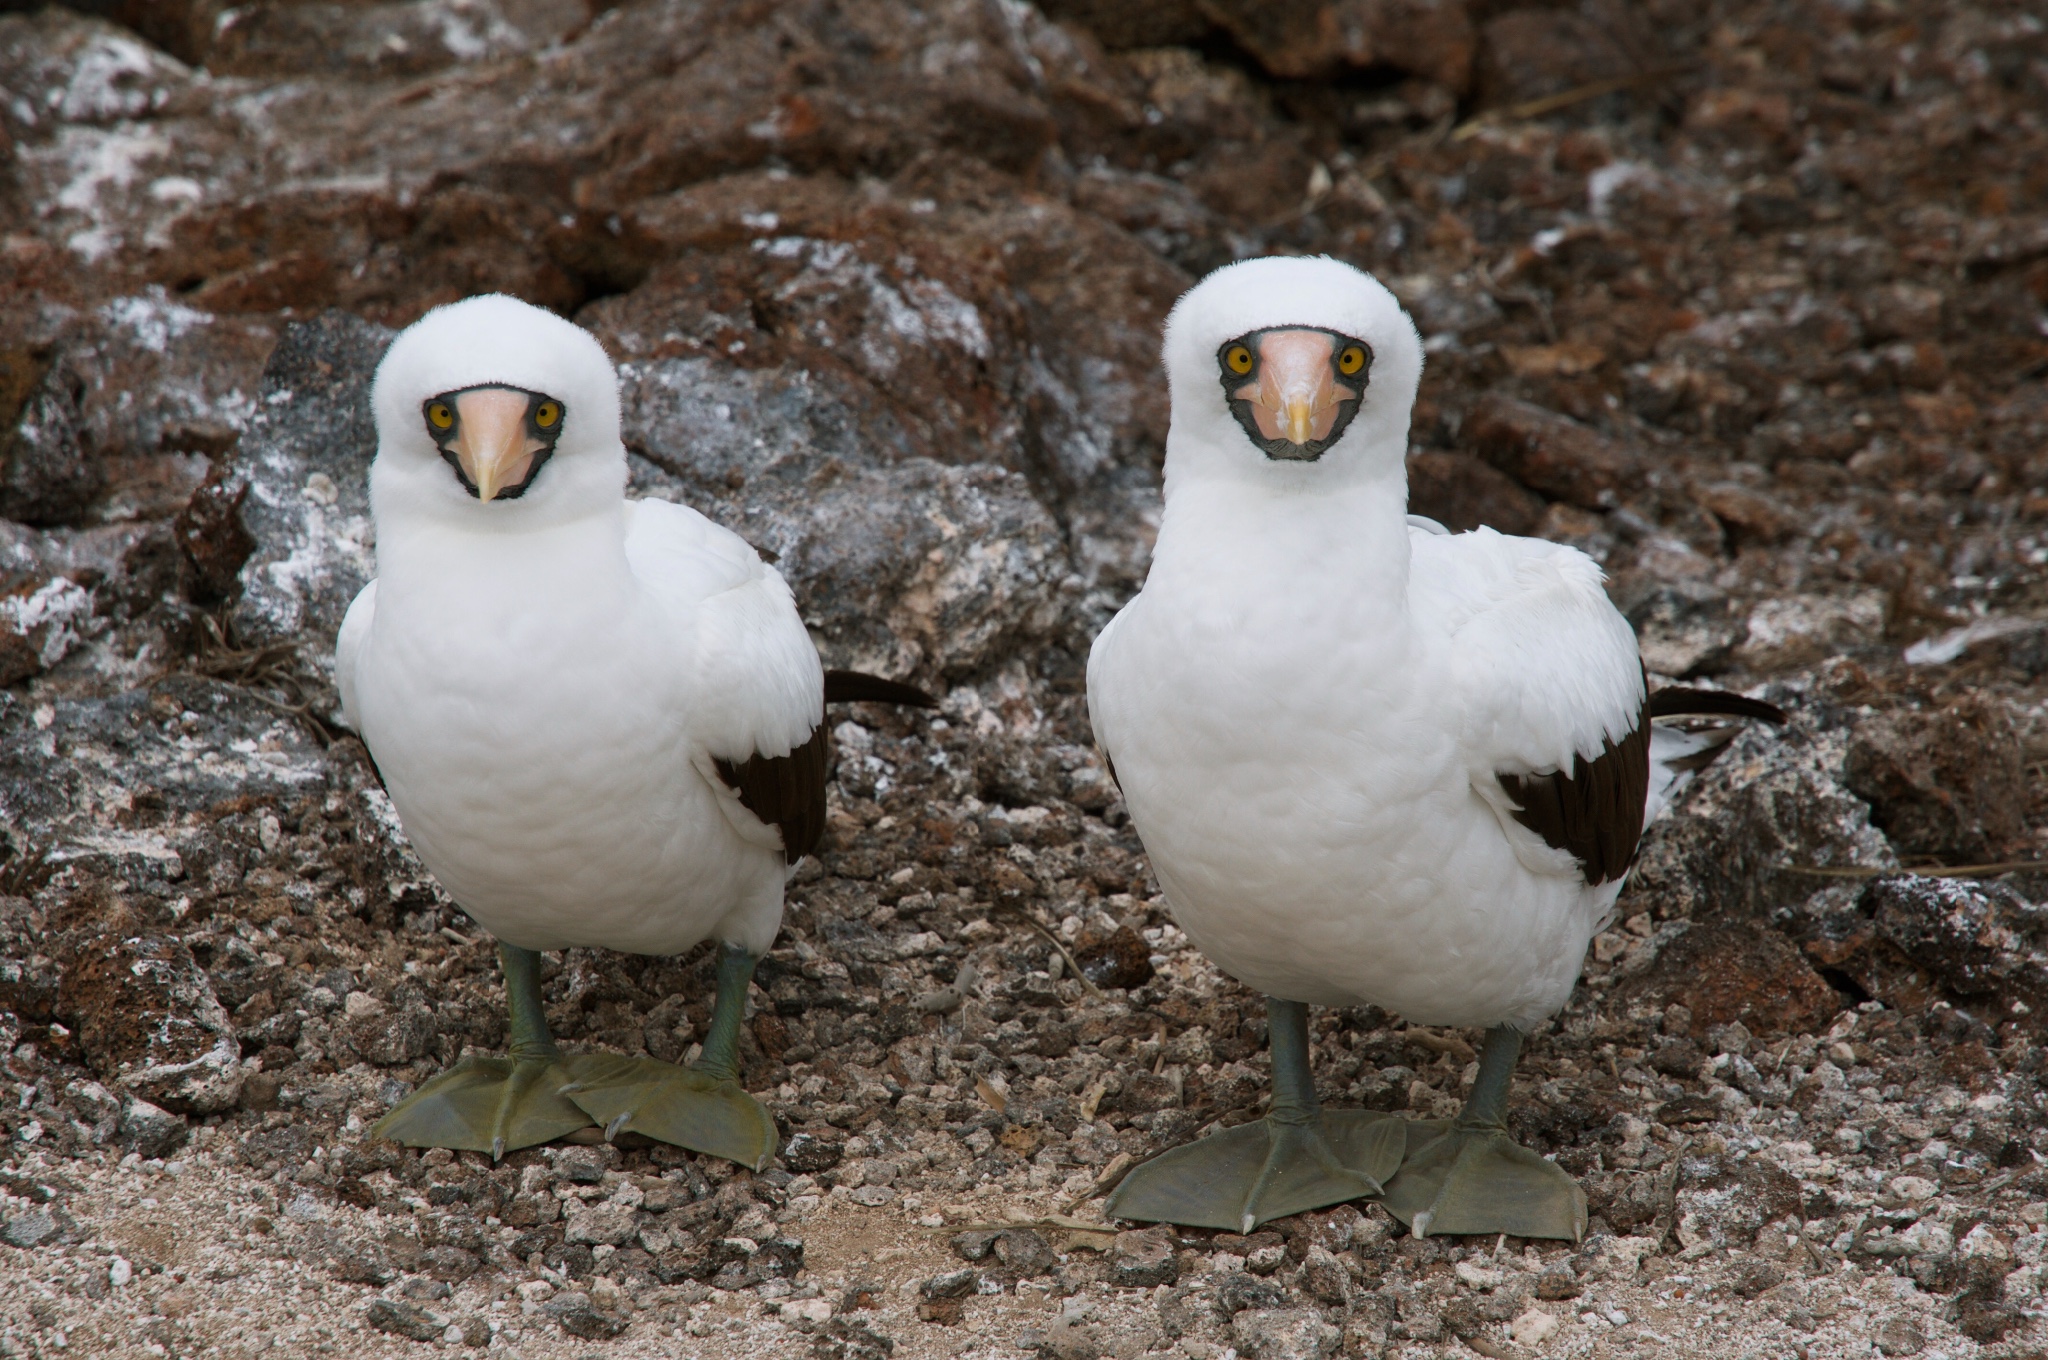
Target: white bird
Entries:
(600, 721)
(1371, 761)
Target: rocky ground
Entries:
(1745, 298)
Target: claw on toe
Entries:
(1478, 1180)
(494, 1105)
(688, 1107)
(1239, 1178)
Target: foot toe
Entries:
(494, 1105)
(684, 1106)
(1482, 1181)
(1238, 1178)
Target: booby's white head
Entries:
(494, 414)
(1289, 372)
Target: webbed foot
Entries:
(698, 1108)
(1462, 1179)
(494, 1105)
(1239, 1178)
(1465, 1175)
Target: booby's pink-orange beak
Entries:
(1296, 395)
(493, 444)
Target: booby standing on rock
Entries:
(600, 721)
(1371, 761)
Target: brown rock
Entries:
(21, 372)
(402, 1034)
(1550, 453)
(1528, 54)
(147, 1018)
(1749, 511)
(366, 251)
(1900, 1335)
(380, 39)
(942, 1299)
(151, 389)
(211, 536)
(38, 615)
(1461, 493)
(1749, 1277)
(1120, 24)
(1968, 938)
(1726, 1199)
(259, 1091)
(1946, 783)
(1324, 1276)
(1726, 971)
(1301, 39)
(46, 476)
(1119, 959)
(818, 1148)
(1145, 1092)
(1901, 311)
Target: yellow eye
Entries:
(547, 413)
(440, 416)
(1238, 358)
(1351, 360)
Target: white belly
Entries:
(1317, 835)
(554, 797)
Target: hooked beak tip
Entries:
(1298, 419)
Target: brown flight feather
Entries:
(1678, 703)
(1595, 813)
(858, 687)
(788, 792)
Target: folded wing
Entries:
(1551, 686)
(755, 690)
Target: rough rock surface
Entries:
(1746, 299)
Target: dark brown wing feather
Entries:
(1595, 813)
(785, 791)
(1677, 703)
(856, 687)
(788, 792)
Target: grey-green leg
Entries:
(701, 1107)
(1299, 1157)
(496, 1105)
(1465, 1175)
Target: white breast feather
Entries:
(348, 650)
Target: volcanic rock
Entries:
(1550, 453)
(306, 460)
(147, 1017)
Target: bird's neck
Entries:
(574, 565)
(1340, 547)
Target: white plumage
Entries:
(545, 682)
(1309, 702)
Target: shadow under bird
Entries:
(1371, 761)
(601, 721)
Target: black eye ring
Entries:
(1352, 361)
